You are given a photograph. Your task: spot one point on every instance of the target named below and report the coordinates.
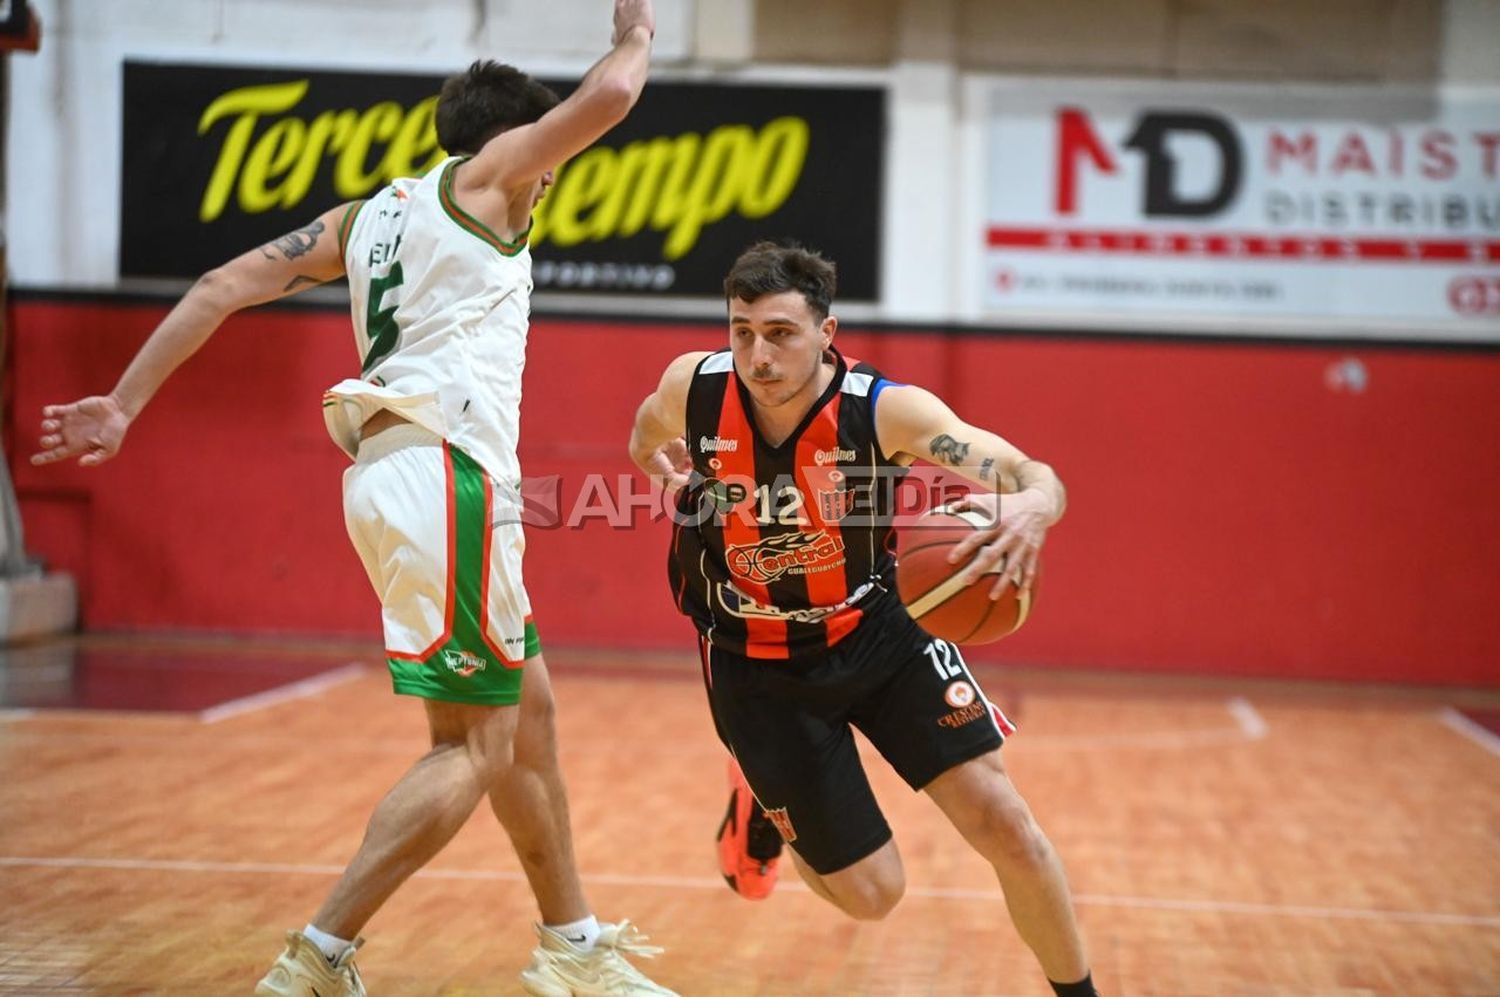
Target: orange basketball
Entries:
(935, 597)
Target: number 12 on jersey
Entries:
(788, 505)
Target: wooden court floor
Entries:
(1221, 837)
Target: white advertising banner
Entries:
(1218, 206)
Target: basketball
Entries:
(938, 600)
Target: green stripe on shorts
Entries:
(465, 669)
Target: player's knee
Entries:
(491, 747)
(871, 898)
(1009, 835)
(539, 710)
(491, 761)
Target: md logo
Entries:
(1162, 196)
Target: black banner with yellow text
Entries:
(219, 159)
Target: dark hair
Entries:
(485, 100)
(771, 268)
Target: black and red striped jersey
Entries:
(779, 551)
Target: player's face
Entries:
(778, 346)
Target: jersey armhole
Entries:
(346, 227)
(880, 385)
(696, 383)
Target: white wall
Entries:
(64, 116)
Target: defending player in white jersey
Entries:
(440, 281)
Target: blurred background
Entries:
(1232, 267)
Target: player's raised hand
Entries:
(90, 429)
(632, 14)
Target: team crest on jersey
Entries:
(836, 503)
(787, 554)
(463, 663)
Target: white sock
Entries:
(330, 946)
(581, 933)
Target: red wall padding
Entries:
(1231, 512)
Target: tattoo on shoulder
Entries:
(985, 467)
(294, 244)
(948, 450)
(301, 281)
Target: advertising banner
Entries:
(219, 159)
(1210, 204)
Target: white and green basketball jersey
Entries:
(440, 306)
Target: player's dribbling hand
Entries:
(633, 14)
(1020, 528)
(671, 465)
(90, 429)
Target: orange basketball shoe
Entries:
(749, 844)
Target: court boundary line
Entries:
(1477, 733)
(707, 883)
(301, 689)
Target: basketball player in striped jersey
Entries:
(784, 455)
(440, 284)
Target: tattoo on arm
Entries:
(985, 467)
(948, 450)
(298, 282)
(295, 244)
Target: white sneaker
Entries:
(304, 971)
(560, 968)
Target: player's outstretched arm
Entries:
(605, 95)
(656, 443)
(913, 421)
(92, 429)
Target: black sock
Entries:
(1083, 988)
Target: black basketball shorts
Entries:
(788, 724)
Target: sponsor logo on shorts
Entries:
(959, 694)
(716, 444)
(463, 663)
(959, 717)
(832, 456)
(787, 554)
(783, 822)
